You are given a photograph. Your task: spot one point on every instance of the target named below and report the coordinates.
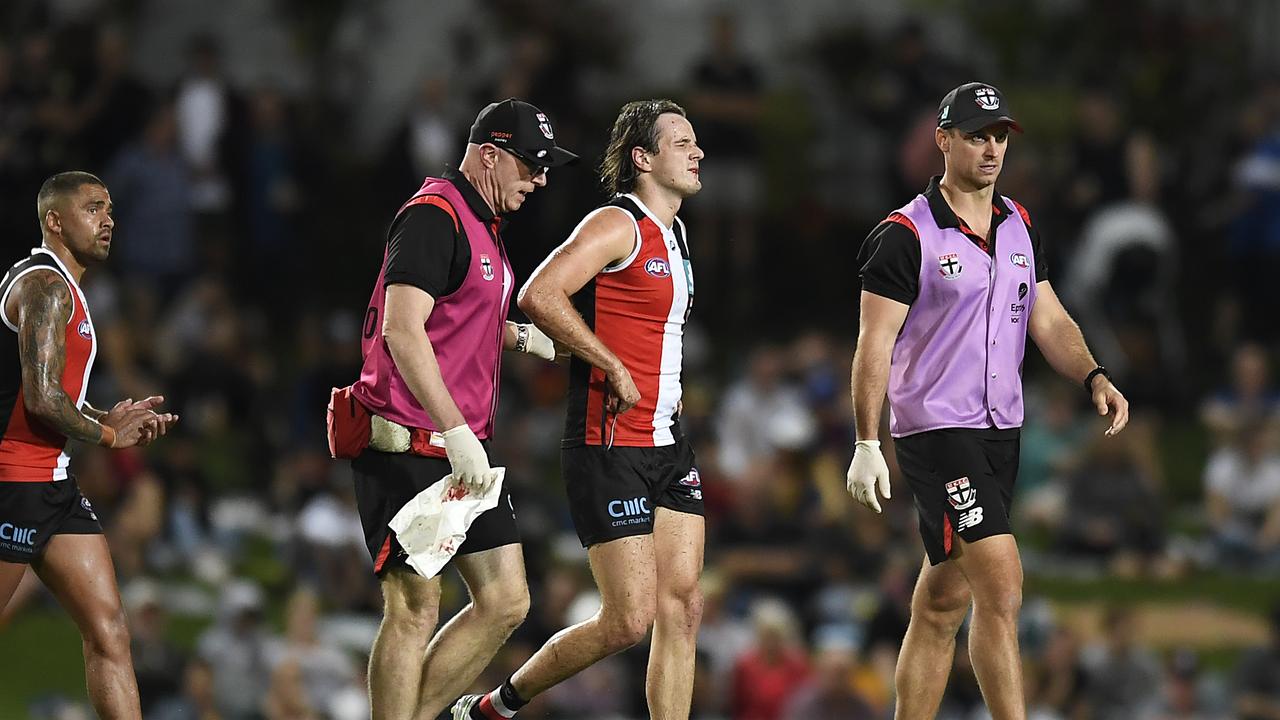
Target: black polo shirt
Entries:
(889, 260)
(426, 251)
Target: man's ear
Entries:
(53, 221)
(640, 157)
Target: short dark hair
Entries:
(636, 126)
(60, 185)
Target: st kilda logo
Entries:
(949, 266)
(961, 494)
(486, 267)
(986, 98)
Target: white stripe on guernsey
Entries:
(669, 390)
(60, 472)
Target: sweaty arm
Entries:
(604, 239)
(1062, 344)
(42, 303)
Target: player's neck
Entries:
(68, 258)
(661, 202)
(967, 200)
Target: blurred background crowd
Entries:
(257, 150)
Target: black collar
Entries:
(472, 196)
(945, 217)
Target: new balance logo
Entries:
(969, 519)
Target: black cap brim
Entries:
(554, 156)
(974, 124)
(560, 156)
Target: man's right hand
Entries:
(150, 431)
(132, 425)
(623, 394)
(468, 460)
(867, 473)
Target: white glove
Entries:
(468, 460)
(531, 340)
(866, 473)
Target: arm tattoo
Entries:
(44, 308)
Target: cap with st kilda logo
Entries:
(522, 129)
(974, 106)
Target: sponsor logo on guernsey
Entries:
(85, 329)
(949, 266)
(657, 267)
(961, 494)
(17, 538)
(486, 267)
(986, 98)
(1018, 259)
(633, 511)
(1022, 290)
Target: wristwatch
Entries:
(1088, 379)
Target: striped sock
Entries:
(500, 704)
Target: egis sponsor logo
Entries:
(13, 533)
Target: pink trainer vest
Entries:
(465, 328)
(957, 363)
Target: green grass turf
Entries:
(42, 657)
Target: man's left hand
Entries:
(1108, 400)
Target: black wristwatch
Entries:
(1088, 379)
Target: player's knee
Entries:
(682, 606)
(108, 637)
(942, 611)
(505, 609)
(630, 627)
(1000, 603)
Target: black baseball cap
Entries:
(973, 106)
(521, 128)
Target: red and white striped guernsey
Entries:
(29, 450)
(638, 308)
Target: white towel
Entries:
(432, 526)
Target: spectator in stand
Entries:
(1257, 678)
(1242, 497)
(829, 693)
(766, 677)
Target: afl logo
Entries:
(85, 329)
(486, 267)
(986, 98)
(1018, 259)
(657, 267)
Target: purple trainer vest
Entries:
(465, 328)
(957, 363)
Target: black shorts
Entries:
(613, 492)
(31, 513)
(386, 481)
(962, 481)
